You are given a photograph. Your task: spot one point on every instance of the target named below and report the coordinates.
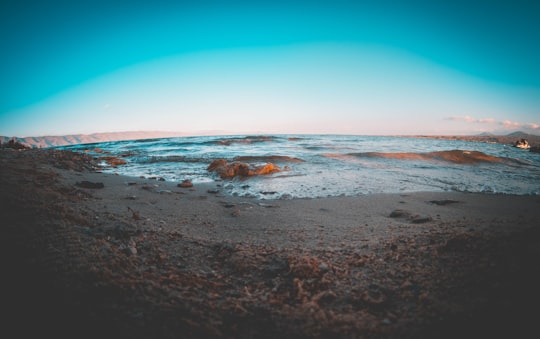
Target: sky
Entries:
(202, 67)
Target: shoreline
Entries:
(69, 140)
(140, 257)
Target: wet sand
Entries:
(140, 258)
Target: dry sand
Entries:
(142, 258)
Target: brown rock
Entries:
(399, 213)
(185, 184)
(230, 170)
(267, 169)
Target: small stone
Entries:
(185, 184)
(399, 213)
(421, 220)
(323, 267)
(130, 250)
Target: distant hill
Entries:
(516, 134)
(50, 141)
(509, 139)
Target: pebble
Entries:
(185, 184)
(421, 220)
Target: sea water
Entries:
(330, 165)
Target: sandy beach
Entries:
(89, 254)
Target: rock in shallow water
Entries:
(230, 170)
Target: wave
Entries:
(142, 141)
(454, 156)
(267, 158)
(169, 158)
(245, 140)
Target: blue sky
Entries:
(354, 67)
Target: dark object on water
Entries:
(522, 143)
(89, 184)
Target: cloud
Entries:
(467, 118)
(527, 127)
(486, 121)
(507, 124)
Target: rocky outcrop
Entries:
(240, 169)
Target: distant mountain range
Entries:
(520, 134)
(508, 139)
(50, 141)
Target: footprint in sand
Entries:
(406, 215)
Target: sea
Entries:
(312, 166)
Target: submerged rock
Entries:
(113, 161)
